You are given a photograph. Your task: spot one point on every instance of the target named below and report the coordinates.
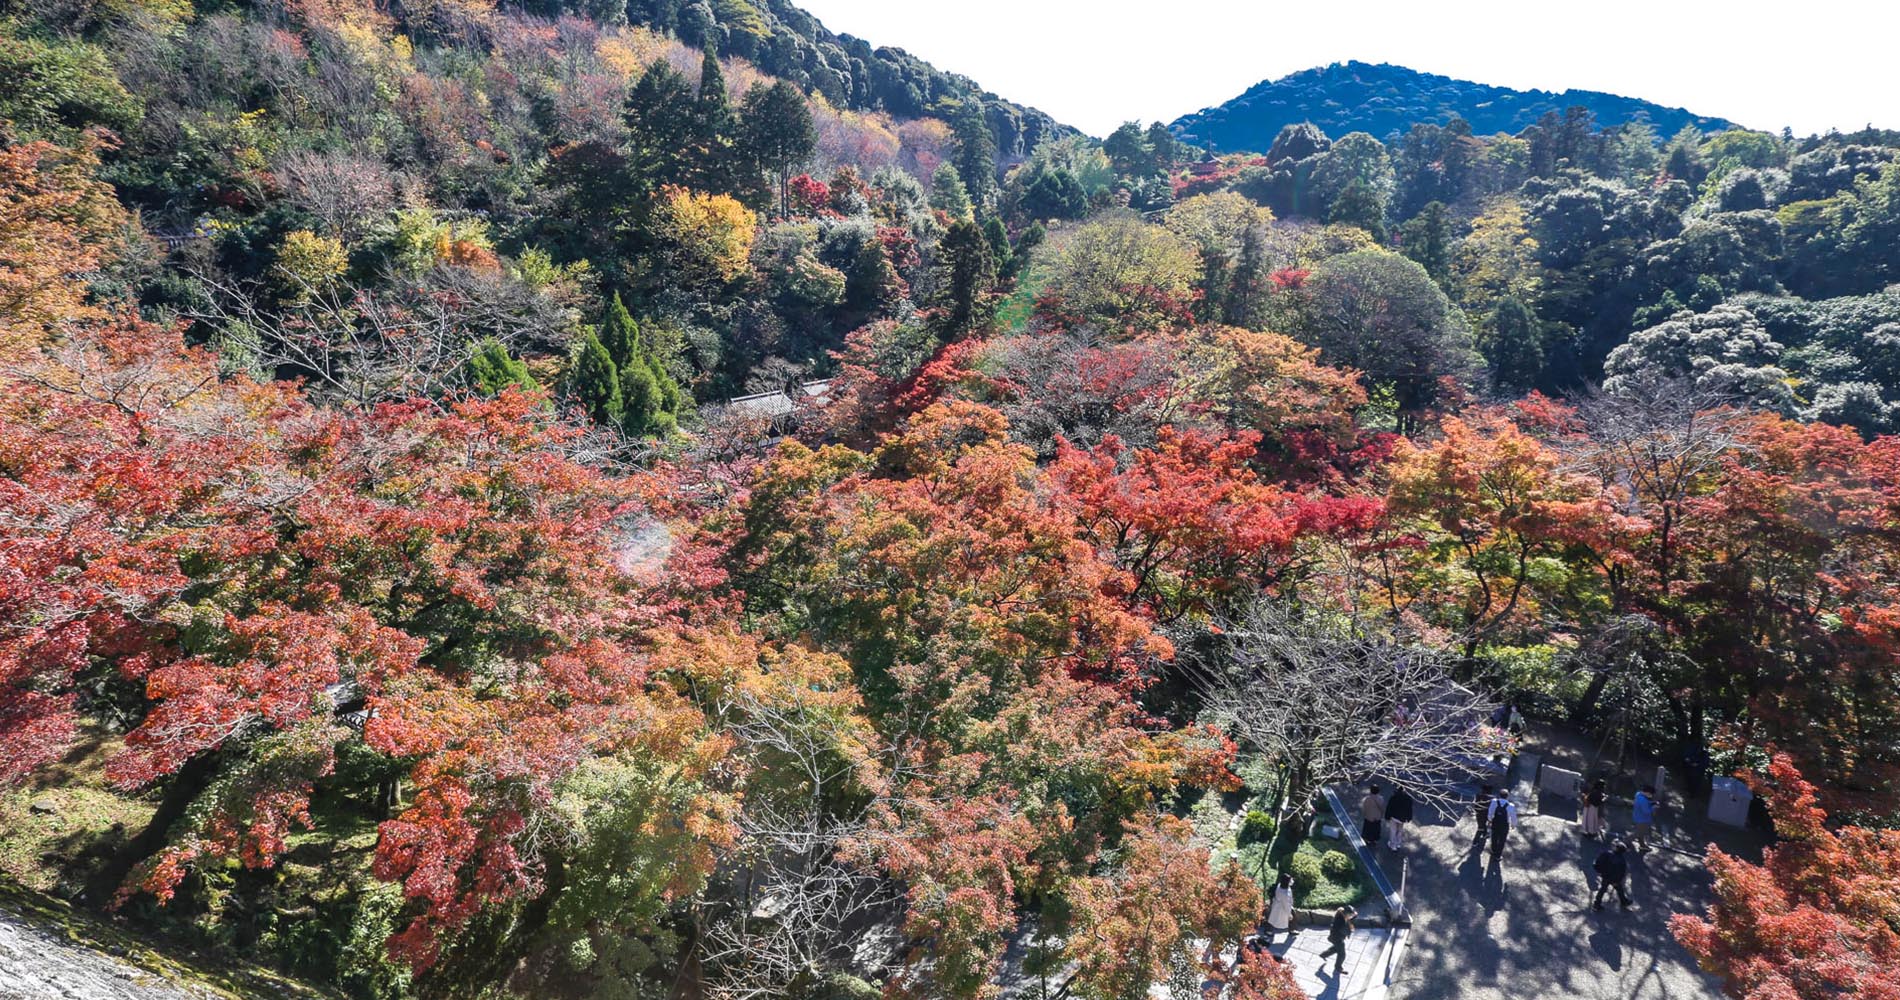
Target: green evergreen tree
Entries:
(493, 369)
(1426, 238)
(619, 333)
(1513, 344)
(640, 400)
(654, 413)
(948, 195)
(718, 169)
(1359, 205)
(975, 154)
(778, 133)
(1216, 278)
(872, 287)
(1056, 194)
(998, 238)
(1026, 242)
(1127, 151)
(649, 397)
(595, 382)
(1247, 288)
(962, 280)
(662, 129)
(1163, 149)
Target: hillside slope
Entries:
(1383, 99)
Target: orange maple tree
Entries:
(1818, 918)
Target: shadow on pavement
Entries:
(1524, 927)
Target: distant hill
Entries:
(786, 41)
(1383, 99)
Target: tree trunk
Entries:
(183, 788)
(1586, 705)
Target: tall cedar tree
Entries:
(649, 398)
(595, 382)
(778, 133)
(719, 169)
(1426, 238)
(1162, 147)
(961, 295)
(976, 155)
(949, 195)
(1513, 344)
(662, 130)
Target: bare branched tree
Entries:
(344, 192)
(797, 902)
(362, 346)
(1326, 701)
(1655, 444)
(1060, 381)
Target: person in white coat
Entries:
(1280, 909)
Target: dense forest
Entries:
(1386, 100)
(390, 594)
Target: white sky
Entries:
(1807, 64)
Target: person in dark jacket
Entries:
(1613, 870)
(1398, 812)
(1481, 811)
(1339, 934)
(1503, 817)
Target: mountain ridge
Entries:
(790, 42)
(1384, 99)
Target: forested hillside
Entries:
(787, 42)
(1385, 100)
(388, 596)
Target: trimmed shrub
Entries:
(1257, 827)
(1306, 870)
(1338, 866)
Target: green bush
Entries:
(1257, 827)
(1306, 870)
(1538, 679)
(1338, 866)
(839, 986)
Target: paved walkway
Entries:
(1365, 967)
(1526, 928)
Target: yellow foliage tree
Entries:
(57, 223)
(702, 238)
(1119, 266)
(1499, 258)
(308, 263)
(1216, 223)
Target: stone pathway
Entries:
(1525, 928)
(1365, 962)
(38, 964)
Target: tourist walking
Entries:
(1503, 818)
(1481, 814)
(1643, 816)
(1340, 933)
(1593, 802)
(1372, 816)
(1398, 812)
(1613, 869)
(1280, 908)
